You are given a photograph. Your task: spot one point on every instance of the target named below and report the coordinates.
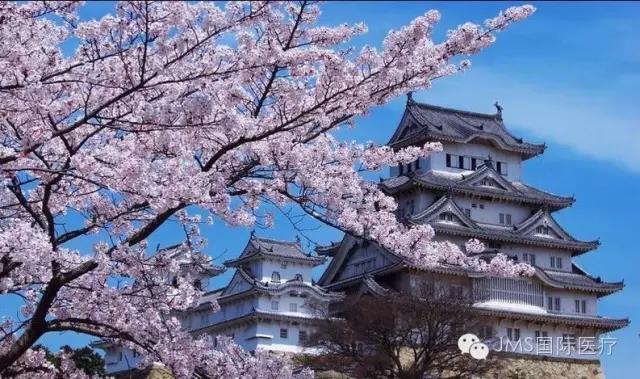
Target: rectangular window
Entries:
(577, 304)
(550, 303)
(467, 212)
(274, 305)
(501, 167)
(293, 307)
(486, 332)
(417, 164)
(501, 218)
(508, 216)
(448, 160)
(460, 161)
(473, 163)
(474, 205)
(284, 333)
(481, 206)
(467, 163)
(411, 204)
(302, 336)
(513, 334)
(409, 167)
(558, 262)
(400, 168)
(553, 262)
(541, 333)
(584, 306)
(557, 304)
(529, 258)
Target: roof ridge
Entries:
(273, 240)
(493, 116)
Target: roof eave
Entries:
(412, 183)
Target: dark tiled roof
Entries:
(430, 122)
(604, 323)
(519, 192)
(576, 280)
(509, 236)
(515, 234)
(258, 246)
(266, 287)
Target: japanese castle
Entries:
(473, 188)
(270, 303)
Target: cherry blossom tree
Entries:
(165, 108)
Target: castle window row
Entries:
(471, 163)
(409, 167)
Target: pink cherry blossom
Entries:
(167, 107)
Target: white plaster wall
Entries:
(567, 302)
(437, 161)
(289, 344)
(527, 336)
(287, 270)
(492, 209)
(114, 362)
(481, 152)
(284, 303)
(543, 255)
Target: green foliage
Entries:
(85, 358)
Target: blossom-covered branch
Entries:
(169, 106)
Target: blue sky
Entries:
(567, 76)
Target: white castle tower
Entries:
(271, 303)
(473, 188)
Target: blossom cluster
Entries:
(169, 106)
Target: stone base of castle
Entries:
(517, 367)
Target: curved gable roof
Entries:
(429, 122)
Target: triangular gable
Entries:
(348, 247)
(543, 225)
(369, 286)
(364, 258)
(250, 248)
(487, 177)
(239, 283)
(406, 127)
(444, 211)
